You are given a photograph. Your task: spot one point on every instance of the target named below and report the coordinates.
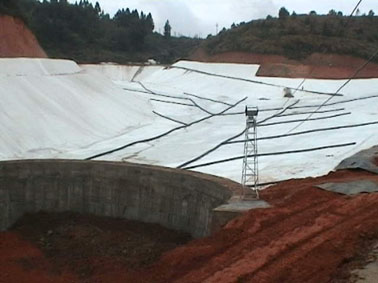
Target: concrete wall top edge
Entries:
(233, 187)
(174, 198)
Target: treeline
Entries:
(297, 36)
(85, 33)
(11, 8)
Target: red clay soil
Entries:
(16, 40)
(319, 66)
(308, 235)
(68, 247)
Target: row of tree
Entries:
(85, 33)
(297, 36)
(283, 13)
(11, 8)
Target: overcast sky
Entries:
(199, 17)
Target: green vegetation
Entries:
(86, 34)
(167, 29)
(297, 36)
(11, 8)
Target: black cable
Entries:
(165, 133)
(313, 68)
(250, 80)
(355, 8)
(271, 154)
(363, 66)
(309, 132)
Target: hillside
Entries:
(299, 46)
(299, 36)
(85, 33)
(16, 40)
(316, 65)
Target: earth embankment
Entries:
(16, 40)
(317, 66)
(309, 235)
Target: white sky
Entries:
(199, 17)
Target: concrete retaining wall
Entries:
(176, 199)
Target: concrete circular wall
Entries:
(176, 199)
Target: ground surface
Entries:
(309, 235)
(367, 273)
(66, 247)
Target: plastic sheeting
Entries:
(362, 160)
(351, 188)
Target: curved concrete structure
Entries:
(176, 199)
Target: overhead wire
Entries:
(313, 68)
(355, 8)
(363, 66)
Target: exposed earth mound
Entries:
(68, 247)
(16, 40)
(318, 66)
(308, 235)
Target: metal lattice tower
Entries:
(250, 174)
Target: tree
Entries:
(371, 13)
(313, 13)
(11, 7)
(150, 23)
(283, 13)
(167, 29)
(332, 13)
(98, 8)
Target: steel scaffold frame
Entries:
(250, 174)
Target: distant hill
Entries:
(298, 36)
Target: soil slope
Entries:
(16, 40)
(308, 235)
(318, 66)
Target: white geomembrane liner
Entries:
(37, 67)
(56, 109)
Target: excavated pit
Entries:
(81, 242)
(175, 199)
